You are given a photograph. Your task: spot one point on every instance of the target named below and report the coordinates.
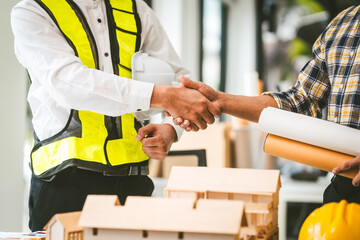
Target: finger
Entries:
(200, 123)
(159, 157)
(156, 156)
(214, 110)
(208, 117)
(188, 83)
(151, 142)
(146, 130)
(194, 127)
(178, 120)
(156, 149)
(155, 153)
(196, 119)
(356, 180)
(185, 124)
(346, 166)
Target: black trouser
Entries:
(68, 190)
(341, 188)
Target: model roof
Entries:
(68, 220)
(158, 203)
(226, 218)
(231, 180)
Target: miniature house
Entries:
(64, 226)
(157, 219)
(149, 218)
(259, 189)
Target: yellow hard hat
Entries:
(333, 221)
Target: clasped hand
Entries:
(211, 95)
(191, 101)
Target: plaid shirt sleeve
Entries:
(311, 91)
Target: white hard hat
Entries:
(146, 68)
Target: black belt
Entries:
(126, 170)
(116, 171)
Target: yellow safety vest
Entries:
(91, 140)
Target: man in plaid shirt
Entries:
(331, 79)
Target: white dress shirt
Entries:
(60, 82)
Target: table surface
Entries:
(20, 235)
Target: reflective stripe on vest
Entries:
(93, 149)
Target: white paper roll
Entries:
(310, 130)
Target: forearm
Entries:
(245, 107)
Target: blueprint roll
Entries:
(307, 154)
(310, 130)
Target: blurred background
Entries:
(237, 46)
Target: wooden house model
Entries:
(259, 189)
(146, 218)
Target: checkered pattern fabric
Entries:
(332, 77)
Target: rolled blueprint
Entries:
(310, 130)
(317, 157)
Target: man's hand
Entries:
(186, 103)
(157, 139)
(349, 165)
(205, 90)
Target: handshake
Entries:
(193, 105)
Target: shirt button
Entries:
(341, 86)
(106, 54)
(99, 20)
(352, 53)
(335, 119)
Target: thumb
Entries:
(145, 131)
(188, 83)
(204, 89)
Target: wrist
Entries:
(159, 96)
(172, 132)
(221, 101)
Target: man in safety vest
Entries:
(78, 55)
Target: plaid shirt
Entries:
(332, 77)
